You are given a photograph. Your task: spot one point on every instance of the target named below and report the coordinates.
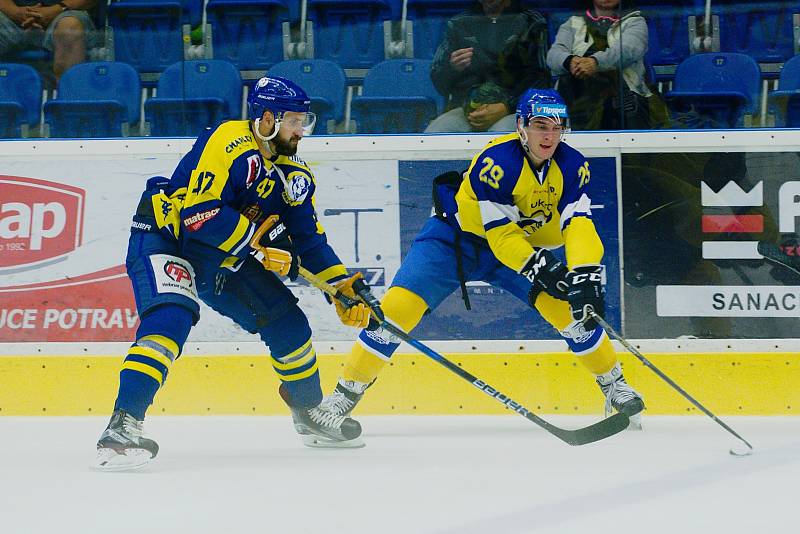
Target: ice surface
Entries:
(417, 474)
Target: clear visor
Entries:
(294, 121)
(545, 124)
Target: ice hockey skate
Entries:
(621, 397)
(122, 447)
(345, 397)
(320, 428)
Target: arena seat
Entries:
(398, 97)
(20, 99)
(324, 81)
(715, 90)
(193, 95)
(95, 99)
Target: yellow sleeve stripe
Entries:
(152, 354)
(509, 245)
(241, 229)
(145, 369)
(305, 374)
(332, 272)
(581, 242)
(165, 342)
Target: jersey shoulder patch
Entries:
(573, 165)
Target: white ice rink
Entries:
(458, 475)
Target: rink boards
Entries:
(63, 291)
(72, 382)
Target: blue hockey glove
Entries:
(545, 273)
(587, 291)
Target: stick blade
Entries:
(596, 432)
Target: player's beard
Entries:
(285, 147)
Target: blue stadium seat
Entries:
(430, 20)
(762, 30)
(349, 32)
(785, 102)
(398, 97)
(147, 33)
(715, 90)
(95, 100)
(324, 81)
(193, 95)
(20, 99)
(668, 31)
(247, 32)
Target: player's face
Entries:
(543, 136)
(290, 133)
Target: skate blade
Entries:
(635, 422)
(110, 460)
(318, 442)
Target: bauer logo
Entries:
(39, 221)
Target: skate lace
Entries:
(131, 426)
(618, 392)
(325, 418)
(337, 403)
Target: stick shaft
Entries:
(581, 436)
(608, 328)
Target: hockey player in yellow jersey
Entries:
(237, 212)
(523, 195)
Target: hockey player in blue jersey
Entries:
(237, 212)
(524, 194)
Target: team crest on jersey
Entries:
(297, 187)
(253, 169)
(536, 220)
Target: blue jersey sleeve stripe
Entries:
(496, 224)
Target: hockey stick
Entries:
(608, 328)
(774, 254)
(581, 436)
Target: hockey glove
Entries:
(273, 248)
(587, 291)
(357, 315)
(545, 273)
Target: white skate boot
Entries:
(621, 397)
(122, 447)
(320, 428)
(345, 397)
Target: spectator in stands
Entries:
(490, 54)
(58, 26)
(586, 58)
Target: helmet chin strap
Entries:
(523, 137)
(266, 138)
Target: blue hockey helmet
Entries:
(546, 103)
(279, 95)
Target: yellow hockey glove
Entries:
(357, 315)
(272, 247)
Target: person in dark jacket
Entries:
(490, 54)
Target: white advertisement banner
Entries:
(728, 301)
(64, 227)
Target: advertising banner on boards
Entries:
(692, 224)
(64, 228)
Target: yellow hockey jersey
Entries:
(515, 207)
